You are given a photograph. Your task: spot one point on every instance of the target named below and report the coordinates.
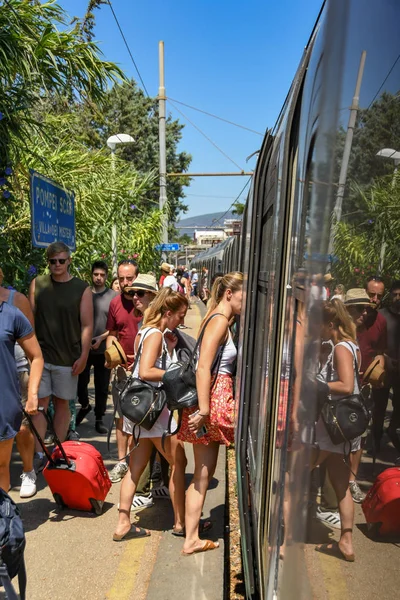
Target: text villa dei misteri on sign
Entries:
(52, 212)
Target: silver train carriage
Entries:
(305, 196)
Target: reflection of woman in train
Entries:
(213, 423)
(339, 375)
(156, 347)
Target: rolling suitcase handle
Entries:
(41, 442)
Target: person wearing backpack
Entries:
(15, 327)
(155, 351)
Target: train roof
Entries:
(214, 252)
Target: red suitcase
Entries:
(382, 503)
(75, 473)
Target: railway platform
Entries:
(71, 554)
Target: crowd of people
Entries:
(67, 327)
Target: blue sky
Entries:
(233, 59)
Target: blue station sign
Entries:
(52, 212)
(167, 247)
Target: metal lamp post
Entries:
(119, 138)
(395, 156)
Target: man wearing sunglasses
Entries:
(102, 296)
(63, 310)
(122, 325)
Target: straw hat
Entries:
(165, 267)
(145, 282)
(357, 296)
(328, 277)
(375, 374)
(115, 355)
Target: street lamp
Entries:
(113, 140)
(395, 156)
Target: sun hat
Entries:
(357, 296)
(328, 277)
(146, 282)
(375, 374)
(194, 270)
(115, 355)
(165, 267)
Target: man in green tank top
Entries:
(63, 309)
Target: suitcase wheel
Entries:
(97, 505)
(59, 501)
(374, 530)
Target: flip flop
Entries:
(333, 549)
(209, 545)
(204, 526)
(133, 533)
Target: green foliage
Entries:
(358, 245)
(125, 109)
(238, 208)
(40, 55)
(104, 194)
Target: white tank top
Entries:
(228, 357)
(158, 364)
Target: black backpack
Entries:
(12, 546)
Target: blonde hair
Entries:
(166, 299)
(335, 312)
(231, 281)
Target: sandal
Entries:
(209, 545)
(204, 526)
(131, 534)
(333, 549)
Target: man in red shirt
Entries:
(123, 326)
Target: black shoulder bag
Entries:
(141, 402)
(346, 418)
(179, 380)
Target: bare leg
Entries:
(40, 422)
(122, 439)
(5, 457)
(355, 460)
(26, 447)
(174, 453)
(62, 417)
(205, 461)
(339, 476)
(137, 463)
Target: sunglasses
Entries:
(139, 293)
(54, 261)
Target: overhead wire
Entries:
(204, 135)
(216, 116)
(235, 200)
(127, 47)
(384, 81)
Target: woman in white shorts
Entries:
(338, 327)
(167, 311)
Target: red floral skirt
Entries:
(220, 424)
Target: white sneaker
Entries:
(140, 503)
(28, 485)
(118, 472)
(328, 518)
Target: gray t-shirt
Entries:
(101, 305)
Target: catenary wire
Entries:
(215, 116)
(235, 200)
(204, 135)
(384, 81)
(127, 47)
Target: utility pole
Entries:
(162, 143)
(337, 211)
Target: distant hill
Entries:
(203, 221)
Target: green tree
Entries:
(39, 54)
(125, 109)
(100, 199)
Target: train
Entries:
(285, 248)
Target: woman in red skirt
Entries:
(212, 423)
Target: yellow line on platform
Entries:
(335, 583)
(125, 577)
